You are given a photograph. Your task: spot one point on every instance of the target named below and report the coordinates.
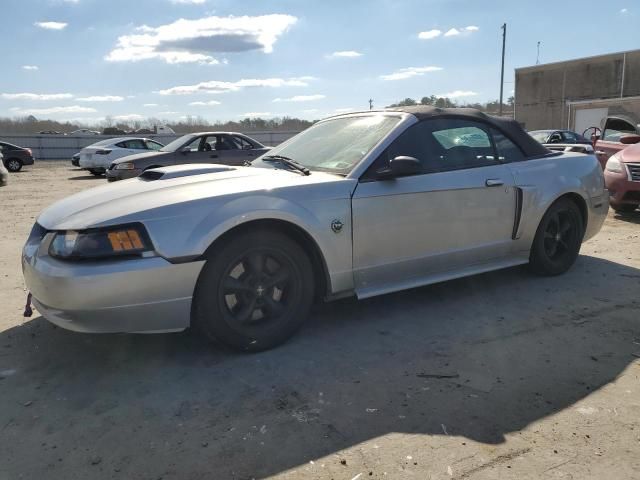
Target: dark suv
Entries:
(15, 157)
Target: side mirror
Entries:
(401, 166)
(185, 150)
(630, 139)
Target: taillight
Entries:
(103, 152)
(29, 151)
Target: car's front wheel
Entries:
(96, 172)
(13, 164)
(558, 238)
(255, 291)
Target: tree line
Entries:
(31, 125)
(445, 102)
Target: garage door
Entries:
(589, 117)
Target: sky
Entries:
(84, 60)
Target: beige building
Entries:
(577, 94)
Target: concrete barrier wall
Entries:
(63, 147)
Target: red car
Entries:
(622, 178)
(618, 132)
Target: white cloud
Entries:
(30, 67)
(216, 86)
(194, 41)
(51, 25)
(71, 1)
(210, 103)
(128, 117)
(345, 54)
(452, 32)
(344, 110)
(458, 94)
(624, 10)
(256, 114)
(301, 98)
(168, 113)
(101, 98)
(150, 105)
(54, 110)
(429, 34)
(310, 110)
(472, 28)
(36, 96)
(410, 72)
(188, 2)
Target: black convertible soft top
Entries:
(509, 127)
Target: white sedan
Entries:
(97, 157)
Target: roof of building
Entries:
(577, 60)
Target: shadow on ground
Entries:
(510, 349)
(87, 177)
(629, 217)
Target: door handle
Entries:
(493, 182)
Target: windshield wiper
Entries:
(289, 162)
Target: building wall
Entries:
(543, 92)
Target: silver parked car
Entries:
(359, 204)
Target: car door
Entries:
(246, 151)
(609, 144)
(459, 212)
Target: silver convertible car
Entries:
(359, 204)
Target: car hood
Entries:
(164, 192)
(630, 154)
(137, 156)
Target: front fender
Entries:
(314, 216)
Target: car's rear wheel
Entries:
(96, 172)
(558, 238)
(255, 291)
(624, 207)
(13, 164)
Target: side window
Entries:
(242, 143)
(225, 142)
(507, 150)
(151, 145)
(442, 145)
(569, 137)
(465, 146)
(135, 144)
(617, 128)
(122, 144)
(195, 144)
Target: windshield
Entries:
(540, 135)
(335, 145)
(177, 143)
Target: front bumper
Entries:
(115, 296)
(113, 174)
(621, 189)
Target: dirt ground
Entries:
(503, 375)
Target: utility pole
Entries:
(371, 104)
(538, 56)
(504, 41)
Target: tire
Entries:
(255, 292)
(624, 207)
(96, 172)
(558, 238)
(13, 164)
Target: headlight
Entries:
(131, 240)
(125, 166)
(614, 165)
